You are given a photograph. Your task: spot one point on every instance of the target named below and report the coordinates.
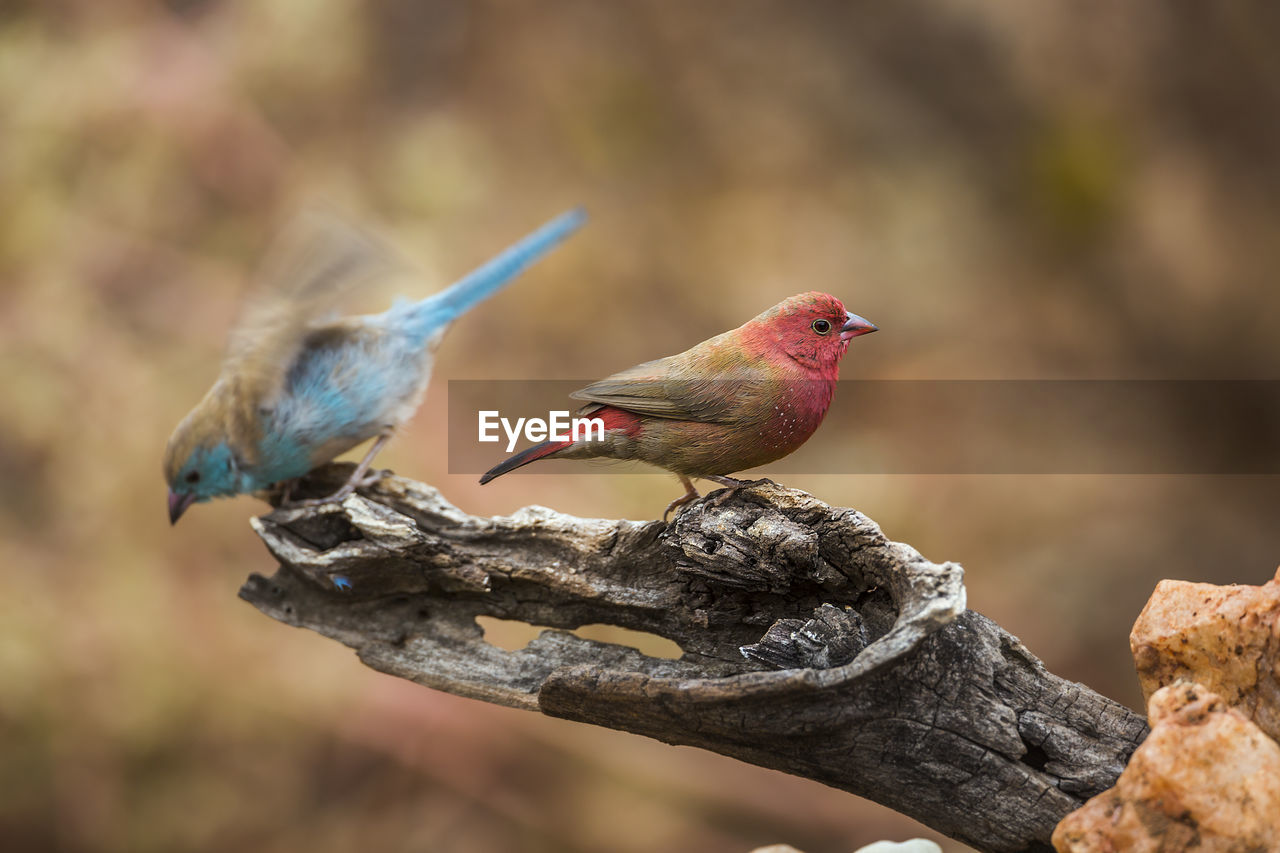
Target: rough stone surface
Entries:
(1206, 779)
(1224, 637)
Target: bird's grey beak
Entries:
(178, 505)
(855, 325)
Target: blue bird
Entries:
(296, 389)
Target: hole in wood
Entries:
(1035, 757)
(512, 635)
(647, 644)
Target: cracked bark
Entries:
(812, 644)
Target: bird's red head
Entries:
(812, 328)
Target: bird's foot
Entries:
(726, 495)
(677, 503)
(359, 478)
(370, 478)
(732, 486)
(690, 494)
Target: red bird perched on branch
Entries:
(741, 399)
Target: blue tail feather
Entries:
(486, 279)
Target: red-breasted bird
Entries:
(298, 388)
(744, 398)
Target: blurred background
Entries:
(1032, 191)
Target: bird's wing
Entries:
(311, 265)
(667, 388)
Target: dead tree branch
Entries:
(812, 644)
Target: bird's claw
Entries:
(725, 495)
(751, 484)
(732, 486)
(690, 494)
(677, 503)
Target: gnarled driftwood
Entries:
(812, 644)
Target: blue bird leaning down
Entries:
(297, 389)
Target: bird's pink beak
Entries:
(178, 505)
(855, 325)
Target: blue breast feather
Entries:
(349, 381)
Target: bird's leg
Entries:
(287, 488)
(690, 494)
(357, 478)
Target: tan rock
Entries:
(1224, 637)
(1205, 780)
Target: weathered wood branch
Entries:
(812, 644)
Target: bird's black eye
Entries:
(822, 327)
(192, 477)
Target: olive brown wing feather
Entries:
(663, 389)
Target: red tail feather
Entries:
(524, 457)
(614, 420)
